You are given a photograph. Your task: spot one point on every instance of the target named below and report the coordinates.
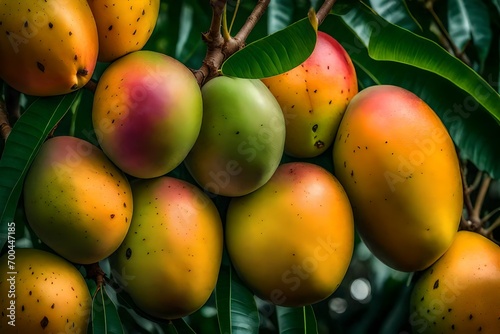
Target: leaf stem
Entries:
(225, 31)
(234, 15)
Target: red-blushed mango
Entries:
(291, 241)
(123, 26)
(460, 292)
(172, 253)
(48, 47)
(399, 167)
(241, 140)
(47, 294)
(147, 113)
(76, 201)
(313, 97)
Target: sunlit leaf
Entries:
(22, 145)
(273, 54)
(469, 21)
(237, 310)
(105, 319)
(295, 320)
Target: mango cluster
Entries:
(289, 225)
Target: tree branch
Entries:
(252, 20)
(5, 127)
(324, 10)
(478, 205)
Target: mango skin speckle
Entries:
(313, 97)
(400, 169)
(76, 201)
(51, 295)
(170, 260)
(147, 113)
(48, 47)
(459, 293)
(123, 26)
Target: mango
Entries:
(241, 140)
(169, 262)
(400, 169)
(48, 47)
(291, 241)
(76, 201)
(313, 97)
(147, 113)
(123, 26)
(46, 294)
(459, 293)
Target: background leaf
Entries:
(105, 319)
(274, 54)
(279, 15)
(469, 22)
(27, 135)
(238, 313)
(396, 12)
(295, 320)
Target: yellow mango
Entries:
(401, 172)
(291, 240)
(313, 97)
(76, 201)
(460, 292)
(123, 26)
(47, 294)
(169, 262)
(48, 47)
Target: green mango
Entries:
(242, 137)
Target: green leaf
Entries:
(273, 54)
(21, 147)
(295, 320)
(399, 45)
(236, 307)
(182, 327)
(470, 21)
(397, 13)
(105, 318)
(280, 15)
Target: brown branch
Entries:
(5, 127)
(467, 201)
(429, 5)
(478, 205)
(91, 85)
(324, 10)
(252, 20)
(95, 272)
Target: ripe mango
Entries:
(123, 26)
(459, 293)
(48, 47)
(46, 295)
(400, 169)
(314, 96)
(76, 201)
(147, 113)
(291, 241)
(241, 141)
(169, 262)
